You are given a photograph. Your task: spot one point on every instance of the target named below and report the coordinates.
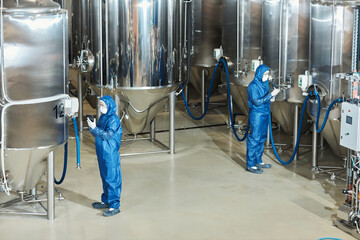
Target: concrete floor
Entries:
(201, 192)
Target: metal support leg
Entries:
(152, 130)
(296, 126)
(98, 113)
(186, 93)
(80, 97)
(172, 123)
(314, 148)
(268, 137)
(117, 102)
(203, 97)
(50, 187)
(229, 117)
(321, 141)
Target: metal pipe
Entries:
(117, 102)
(268, 137)
(152, 130)
(98, 113)
(172, 123)
(100, 48)
(80, 97)
(33, 191)
(332, 50)
(107, 42)
(314, 148)
(355, 42)
(203, 91)
(181, 56)
(237, 35)
(229, 116)
(280, 39)
(50, 187)
(321, 141)
(296, 126)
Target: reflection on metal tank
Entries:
(206, 21)
(241, 41)
(330, 53)
(34, 66)
(285, 44)
(135, 55)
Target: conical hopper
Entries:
(139, 104)
(331, 131)
(196, 78)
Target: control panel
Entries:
(350, 129)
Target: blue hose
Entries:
(65, 165)
(72, 93)
(338, 100)
(229, 104)
(229, 101)
(298, 136)
(77, 143)
(207, 100)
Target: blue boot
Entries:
(111, 212)
(256, 170)
(263, 165)
(100, 205)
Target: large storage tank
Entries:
(33, 87)
(285, 44)
(241, 41)
(331, 53)
(133, 44)
(206, 35)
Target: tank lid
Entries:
(30, 6)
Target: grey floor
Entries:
(201, 192)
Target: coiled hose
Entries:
(223, 62)
(66, 154)
(300, 124)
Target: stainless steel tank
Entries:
(241, 41)
(331, 53)
(34, 63)
(206, 35)
(285, 44)
(133, 44)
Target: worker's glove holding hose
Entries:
(272, 99)
(92, 124)
(275, 92)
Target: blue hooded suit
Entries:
(259, 110)
(107, 134)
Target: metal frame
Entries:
(166, 149)
(32, 197)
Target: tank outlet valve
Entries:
(218, 53)
(255, 63)
(71, 106)
(305, 81)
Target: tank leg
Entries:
(80, 97)
(152, 130)
(50, 187)
(98, 113)
(229, 117)
(203, 94)
(117, 102)
(321, 141)
(296, 126)
(267, 144)
(172, 123)
(314, 148)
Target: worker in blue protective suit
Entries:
(259, 99)
(107, 134)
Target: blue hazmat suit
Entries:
(259, 110)
(107, 134)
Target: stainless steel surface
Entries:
(283, 112)
(34, 65)
(206, 21)
(314, 148)
(196, 75)
(334, 23)
(152, 130)
(241, 19)
(139, 55)
(172, 123)
(80, 98)
(203, 94)
(50, 187)
(295, 128)
(330, 57)
(239, 94)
